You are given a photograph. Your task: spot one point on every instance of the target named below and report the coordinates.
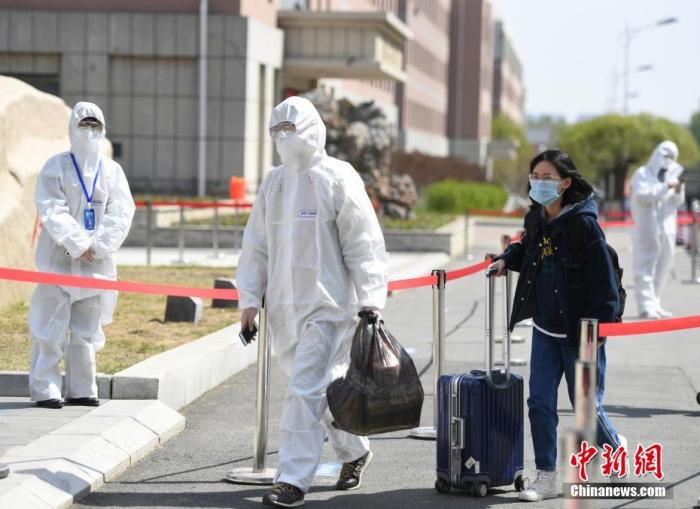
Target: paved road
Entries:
(651, 389)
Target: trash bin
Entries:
(237, 188)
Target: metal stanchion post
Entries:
(181, 237)
(215, 234)
(695, 233)
(149, 231)
(430, 432)
(237, 210)
(258, 474)
(585, 410)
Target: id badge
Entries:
(89, 218)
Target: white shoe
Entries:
(663, 313)
(649, 315)
(545, 486)
(623, 445)
(623, 442)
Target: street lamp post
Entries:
(628, 34)
(202, 113)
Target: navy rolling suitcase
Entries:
(480, 420)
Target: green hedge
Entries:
(458, 197)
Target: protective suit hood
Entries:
(309, 140)
(660, 157)
(85, 144)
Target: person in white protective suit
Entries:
(85, 207)
(657, 192)
(314, 248)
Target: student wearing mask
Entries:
(565, 274)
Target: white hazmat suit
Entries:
(314, 248)
(654, 212)
(63, 321)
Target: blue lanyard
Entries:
(88, 197)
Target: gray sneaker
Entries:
(545, 486)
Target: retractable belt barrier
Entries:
(49, 278)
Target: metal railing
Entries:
(430, 432)
(259, 473)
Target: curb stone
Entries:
(79, 457)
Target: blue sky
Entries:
(571, 50)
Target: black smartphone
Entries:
(247, 335)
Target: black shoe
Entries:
(49, 403)
(4, 470)
(83, 401)
(351, 473)
(284, 495)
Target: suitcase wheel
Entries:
(480, 489)
(442, 486)
(519, 483)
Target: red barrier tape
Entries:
(197, 204)
(28, 276)
(467, 271)
(613, 224)
(417, 282)
(649, 327)
(628, 222)
(47, 278)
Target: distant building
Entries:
(508, 88)
(471, 80)
(411, 91)
(429, 64)
(138, 60)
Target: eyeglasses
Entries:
(89, 123)
(544, 178)
(283, 127)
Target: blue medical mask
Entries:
(544, 192)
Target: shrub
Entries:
(458, 197)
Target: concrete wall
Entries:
(33, 127)
(141, 68)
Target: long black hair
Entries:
(579, 189)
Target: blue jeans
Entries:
(550, 359)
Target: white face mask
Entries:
(291, 148)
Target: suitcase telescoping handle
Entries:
(490, 303)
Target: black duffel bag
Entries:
(381, 390)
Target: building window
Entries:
(49, 83)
